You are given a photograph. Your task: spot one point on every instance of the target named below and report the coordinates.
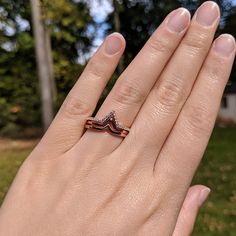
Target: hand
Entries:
(93, 183)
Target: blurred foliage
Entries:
(230, 27)
(68, 23)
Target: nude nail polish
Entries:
(113, 44)
(203, 196)
(178, 20)
(225, 45)
(207, 13)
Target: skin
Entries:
(89, 183)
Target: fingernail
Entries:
(113, 44)
(203, 196)
(178, 20)
(225, 45)
(207, 13)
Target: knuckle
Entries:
(195, 42)
(159, 44)
(74, 106)
(199, 122)
(96, 69)
(214, 68)
(170, 94)
(128, 94)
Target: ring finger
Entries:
(135, 83)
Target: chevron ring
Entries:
(109, 123)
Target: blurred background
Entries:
(45, 45)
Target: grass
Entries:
(217, 170)
(10, 161)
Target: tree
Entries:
(68, 23)
(230, 27)
(18, 90)
(43, 63)
(116, 22)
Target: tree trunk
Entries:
(116, 20)
(44, 71)
(50, 64)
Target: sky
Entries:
(99, 10)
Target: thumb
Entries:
(194, 199)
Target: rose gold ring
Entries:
(109, 123)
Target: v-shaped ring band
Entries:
(109, 123)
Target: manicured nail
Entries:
(225, 45)
(203, 196)
(178, 20)
(207, 13)
(113, 44)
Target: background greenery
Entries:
(217, 170)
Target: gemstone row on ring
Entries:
(108, 123)
(112, 117)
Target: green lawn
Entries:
(10, 161)
(218, 171)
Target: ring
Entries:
(109, 123)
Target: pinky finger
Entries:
(195, 198)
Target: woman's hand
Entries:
(93, 183)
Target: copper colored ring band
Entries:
(109, 124)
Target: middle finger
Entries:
(166, 99)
